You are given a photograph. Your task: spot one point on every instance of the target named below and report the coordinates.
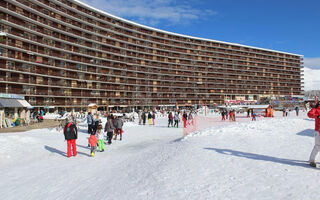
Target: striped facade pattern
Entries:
(64, 53)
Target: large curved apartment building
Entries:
(64, 53)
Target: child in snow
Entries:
(93, 143)
(100, 138)
(150, 118)
(153, 117)
(254, 116)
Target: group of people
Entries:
(37, 115)
(112, 128)
(225, 114)
(285, 111)
(143, 117)
(186, 119)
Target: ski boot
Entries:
(313, 164)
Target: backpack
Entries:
(69, 132)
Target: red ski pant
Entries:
(74, 147)
(184, 123)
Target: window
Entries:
(2, 51)
(10, 64)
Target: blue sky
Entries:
(285, 25)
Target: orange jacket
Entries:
(314, 113)
(93, 140)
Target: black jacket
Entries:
(70, 131)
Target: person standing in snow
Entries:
(176, 119)
(190, 119)
(118, 124)
(150, 118)
(315, 113)
(109, 129)
(170, 119)
(140, 117)
(95, 123)
(144, 116)
(90, 122)
(297, 111)
(71, 134)
(153, 117)
(93, 143)
(222, 116)
(185, 119)
(100, 137)
(230, 115)
(253, 116)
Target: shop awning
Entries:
(10, 103)
(24, 103)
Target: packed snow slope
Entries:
(263, 159)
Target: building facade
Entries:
(64, 53)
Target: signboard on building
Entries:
(11, 96)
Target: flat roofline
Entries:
(177, 34)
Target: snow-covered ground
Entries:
(263, 159)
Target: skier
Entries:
(315, 113)
(109, 129)
(71, 134)
(93, 143)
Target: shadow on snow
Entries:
(253, 156)
(57, 151)
(307, 132)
